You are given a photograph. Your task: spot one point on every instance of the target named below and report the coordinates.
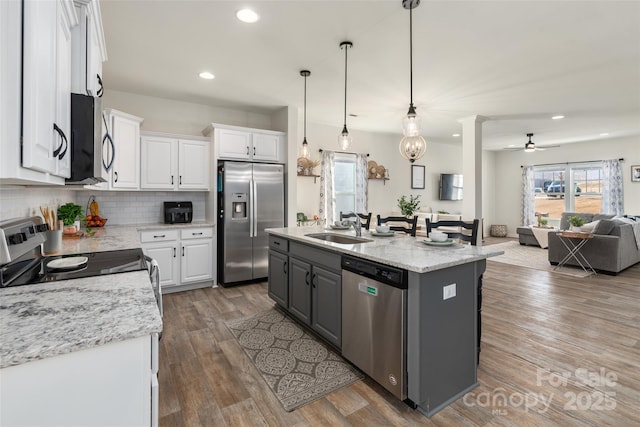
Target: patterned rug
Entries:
(532, 257)
(297, 366)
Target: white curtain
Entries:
(528, 196)
(612, 194)
(362, 192)
(327, 197)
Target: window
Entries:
(573, 187)
(344, 184)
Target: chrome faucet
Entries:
(357, 225)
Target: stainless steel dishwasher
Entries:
(374, 318)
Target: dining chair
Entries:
(460, 225)
(410, 228)
(365, 219)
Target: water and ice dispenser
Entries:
(239, 205)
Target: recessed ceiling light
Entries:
(604, 134)
(456, 135)
(247, 15)
(558, 117)
(206, 75)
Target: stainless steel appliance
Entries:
(22, 262)
(178, 212)
(91, 154)
(250, 199)
(374, 318)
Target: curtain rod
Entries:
(343, 152)
(569, 163)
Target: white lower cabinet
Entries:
(185, 256)
(110, 384)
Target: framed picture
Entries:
(417, 176)
(635, 173)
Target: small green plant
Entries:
(576, 221)
(543, 221)
(443, 212)
(69, 213)
(408, 207)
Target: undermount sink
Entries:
(338, 238)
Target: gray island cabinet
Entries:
(442, 310)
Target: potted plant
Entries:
(408, 207)
(71, 215)
(576, 222)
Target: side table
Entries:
(574, 241)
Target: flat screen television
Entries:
(450, 186)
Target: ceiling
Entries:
(516, 62)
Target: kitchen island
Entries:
(443, 300)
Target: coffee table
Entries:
(574, 241)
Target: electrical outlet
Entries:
(449, 291)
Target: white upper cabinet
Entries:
(233, 144)
(268, 147)
(89, 49)
(236, 143)
(174, 163)
(125, 131)
(46, 86)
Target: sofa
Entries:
(614, 245)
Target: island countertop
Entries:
(400, 250)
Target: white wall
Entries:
(509, 173)
(383, 149)
(166, 115)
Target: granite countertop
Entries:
(49, 319)
(117, 237)
(400, 250)
(54, 318)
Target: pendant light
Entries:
(413, 146)
(344, 139)
(305, 146)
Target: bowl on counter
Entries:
(95, 221)
(382, 228)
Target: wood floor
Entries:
(556, 351)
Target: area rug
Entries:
(297, 366)
(532, 257)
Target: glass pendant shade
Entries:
(413, 147)
(305, 149)
(344, 139)
(529, 147)
(411, 123)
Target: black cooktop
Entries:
(36, 270)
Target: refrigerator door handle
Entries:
(251, 203)
(254, 208)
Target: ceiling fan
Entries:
(530, 146)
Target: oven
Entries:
(22, 262)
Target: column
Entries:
(472, 169)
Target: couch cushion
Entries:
(605, 226)
(590, 226)
(602, 216)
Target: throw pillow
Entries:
(605, 226)
(590, 226)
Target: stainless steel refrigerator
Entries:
(250, 199)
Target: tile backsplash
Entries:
(120, 207)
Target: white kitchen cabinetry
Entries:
(185, 256)
(125, 130)
(236, 143)
(35, 80)
(111, 384)
(88, 49)
(162, 245)
(197, 255)
(170, 163)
